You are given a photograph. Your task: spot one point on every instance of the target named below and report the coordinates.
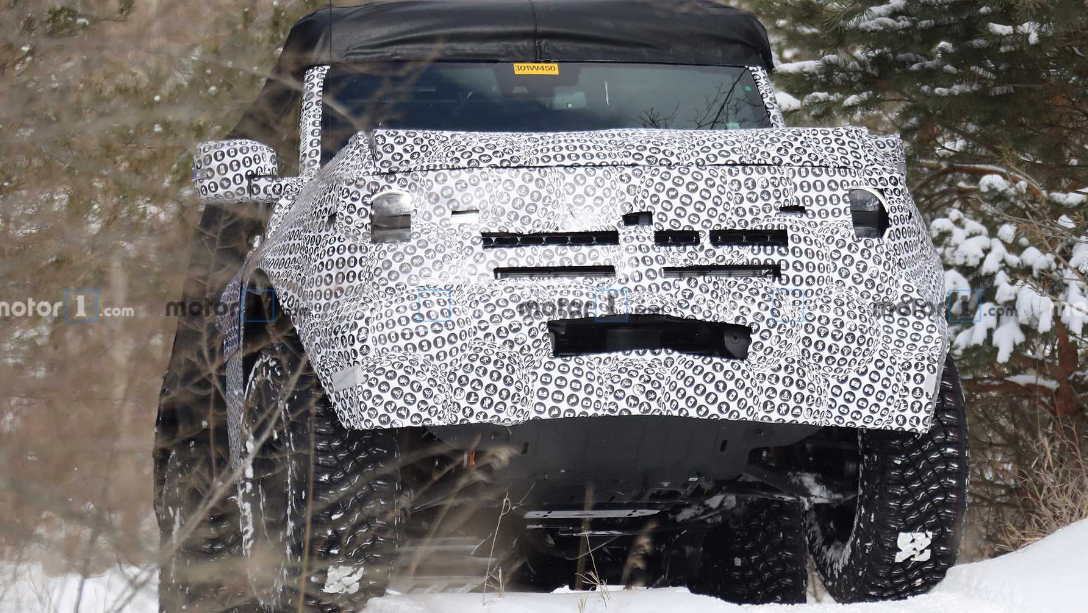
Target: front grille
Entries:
(662, 238)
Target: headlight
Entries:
(868, 212)
(391, 217)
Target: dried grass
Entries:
(1054, 489)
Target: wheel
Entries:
(318, 501)
(757, 556)
(200, 570)
(899, 536)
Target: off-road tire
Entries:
(318, 501)
(908, 484)
(200, 570)
(756, 556)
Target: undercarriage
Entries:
(628, 499)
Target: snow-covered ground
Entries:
(27, 588)
(1050, 576)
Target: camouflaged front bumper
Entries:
(422, 333)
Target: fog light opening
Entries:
(868, 212)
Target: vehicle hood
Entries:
(398, 151)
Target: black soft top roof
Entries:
(666, 31)
(701, 32)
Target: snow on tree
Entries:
(992, 101)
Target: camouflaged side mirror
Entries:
(238, 170)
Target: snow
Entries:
(1007, 336)
(884, 24)
(856, 99)
(1079, 261)
(994, 183)
(1033, 308)
(970, 251)
(966, 245)
(955, 90)
(1001, 30)
(950, 146)
(885, 10)
(1006, 291)
(668, 600)
(976, 334)
(1007, 232)
(806, 66)
(879, 18)
(1070, 200)
(1037, 260)
(1075, 310)
(973, 227)
(1047, 577)
(1031, 255)
(818, 97)
(27, 588)
(940, 225)
(996, 259)
(953, 280)
(786, 102)
(1031, 29)
(1033, 379)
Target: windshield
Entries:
(500, 97)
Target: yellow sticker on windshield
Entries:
(537, 69)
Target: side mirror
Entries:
(237, 170)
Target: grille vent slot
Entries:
(648, 332)
(538, 272)
(749, 238)
(495, 240)
(724, 270)
(676, 238)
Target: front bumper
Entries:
(485, 354)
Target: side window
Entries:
(287, 150)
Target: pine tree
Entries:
(991, 99)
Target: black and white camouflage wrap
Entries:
(223, 170)
(766, 92)
(421, 333)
